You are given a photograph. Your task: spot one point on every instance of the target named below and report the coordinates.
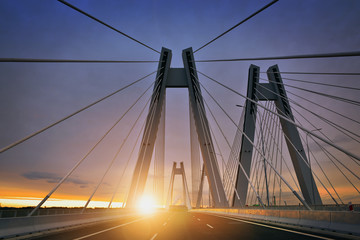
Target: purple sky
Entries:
(33, 95)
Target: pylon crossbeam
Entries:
(175, 78)
(273, 91)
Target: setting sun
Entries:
(146, 204)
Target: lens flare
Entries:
(146, 205)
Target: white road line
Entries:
(96, 233)
(153, 237)
(209, 226)
(277, 228)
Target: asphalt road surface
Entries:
(181, 225)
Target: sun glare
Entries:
(146, 205)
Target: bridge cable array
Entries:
(37, 60)
(322, 84)
(71, 115)
(286, 119)
(300, 155)
(330, 159)
(107, 25)
(88, 153)
(319, 73)
(226, 170)
(231, 181)
(337, 126)
(237, 162)
(304, 56)
(232, 28)
(268, 110)
(257, 149)
(258, 167)
(233, 157)
(126, 165)
(120, 148)
(237, 157)
(332, 124)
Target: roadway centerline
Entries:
(153, 237)
(277, 228)
(109, 229)
(164, 224)
(209, 226)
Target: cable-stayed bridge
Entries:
(283, 149)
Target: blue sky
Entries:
(33, 95)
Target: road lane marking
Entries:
(209, 226)
(109, 229)
(277, 228)
(153, 237)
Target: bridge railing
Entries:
(23, 212)
(18, 226)
(346, 222)
(340, 207)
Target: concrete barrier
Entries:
(345, 221)
(337, 221)
(321, 219)
(24, 225)
(290, 216)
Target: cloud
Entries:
(52, 178)
(339, 140)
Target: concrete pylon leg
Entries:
(160, 160)
(273, 91)
(293, 141)
(150, 131)
(203, 130)
(195, 159)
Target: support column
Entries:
(246, 150)
(201, 187)
(298, 157)
(273, 91)
(150, 131)
(195, 159)
(203, 131)
(160, 159)
(178, 171)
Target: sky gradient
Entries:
(33, 95)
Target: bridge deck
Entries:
(182, 225)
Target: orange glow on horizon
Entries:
(24, 197)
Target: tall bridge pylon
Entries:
(186, 196)
(272, 91)
(176, 78)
